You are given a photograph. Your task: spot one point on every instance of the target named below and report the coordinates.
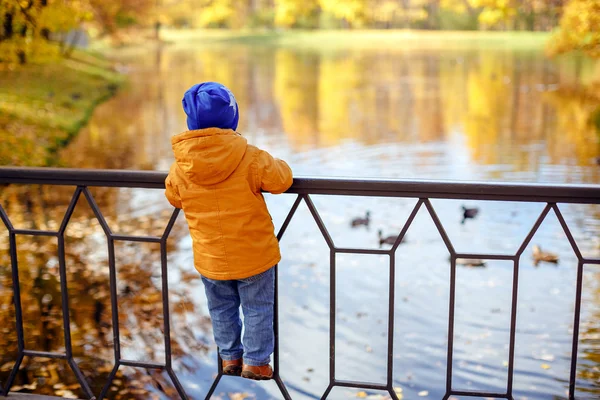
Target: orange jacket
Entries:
(217, 178)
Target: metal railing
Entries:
(424, 191)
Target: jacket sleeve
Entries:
(172, 191)
(275, 175)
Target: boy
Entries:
(217, 180)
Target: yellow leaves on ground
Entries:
(43, 106)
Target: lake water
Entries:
(474, 113)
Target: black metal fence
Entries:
(551, 195)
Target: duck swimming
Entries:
(470, 262)
(543, 256)
(361, 221)
(389, 239)
(469, 213)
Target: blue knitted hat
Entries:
(210, 105)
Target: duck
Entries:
(389, 239)
(543, 256)
(469, 213)
(358, 221)
(470, 262)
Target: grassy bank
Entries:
(43, 106)
(329, 39)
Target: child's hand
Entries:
(275, 175)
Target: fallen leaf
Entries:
(362, 395)
(545, 366)
(7, 367)
(66, 394)
(423, 393)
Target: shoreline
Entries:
(44, 106)
(332, 40)
(362, 38)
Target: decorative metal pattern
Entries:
(423, 191)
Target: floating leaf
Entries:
(362, 394)
(238, 396)
(545, 366)
(398, 391)
(423, 393)
(545, 357)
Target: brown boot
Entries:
(232, 367)
(257, 373)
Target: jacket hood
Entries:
(208, 156)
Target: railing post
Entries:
(16, 299)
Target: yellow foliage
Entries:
(495, 12)
(457, 6)
(352, 11)
(217, 12)
(62, 16)
(288, 12)
(26, 26)
(386, 12)
(579, 29)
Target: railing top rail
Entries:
(558, 193)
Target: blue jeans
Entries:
(256, 295)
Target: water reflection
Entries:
(471, 114)
(511, 110)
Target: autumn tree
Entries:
(28, 26)
(352, 12)
(225, 13)
(291, 13)
(33, 27)
(579, 29)
(110, 14)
